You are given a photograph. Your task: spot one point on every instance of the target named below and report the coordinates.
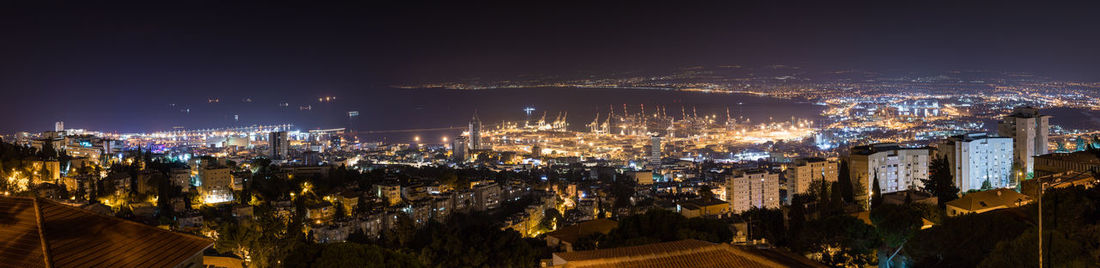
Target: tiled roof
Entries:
(1004, 198)
(683, 253)
(41, 233)
(574, 232)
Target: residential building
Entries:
(642, 177)
(655, 151)
(757, 188)
(1029, 131)
(1054, 163)
(807, 170)
(703, 208)
(984, 201)
(896, 168)
(475, 133)
(564, 238)
(215, 183)
(280, 145)
(459, 149)
(978, 158)
(1072, 178)
(390, 192)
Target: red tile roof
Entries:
(41, 233)
(683, 253)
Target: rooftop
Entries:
(683, 253)
(991, 199)
(42, 233)
(574, 232)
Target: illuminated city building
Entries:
(279, 145)
(807, 170)
(459, 149)
(475, 133)
(896, 168)
(757, 188)
(1029, 131)
(977, 158)
(655, 151)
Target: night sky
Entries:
(114, 66)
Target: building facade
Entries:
(896, 168)
(978, 157)
(1029, 131)
(806, 171)
(475, 133)
(280, 146)
(752, 188)
(655, 151)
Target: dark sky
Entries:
(108, 65)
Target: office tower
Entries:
(896, 168)
(59, 126)
(475, 133)
(458, 149)
(978, 157)
(1028, 130)
(655, 150)
(807, 170)
(756, 188)
(279, 145)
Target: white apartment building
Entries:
(752, 188)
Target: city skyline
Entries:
(550, 134)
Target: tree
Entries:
(941, 246)
(705, 192)
(895, 223)
(767, 224)
(1060, 251)
(796, 221)
(842, 241)
(876, 193)
(940, 183)
(551, 219)
(661, 226)
(348, 255)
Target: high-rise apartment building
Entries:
(280, 146)
(747, 189)
(655, 150)
(1029, 131)
(807, 170)
(977, 158)
(458, 149)
(896, 168)
(475, 133)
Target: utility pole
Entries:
(1042, 187)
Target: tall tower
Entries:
(655, 150)
(475, 133)
(279, 145)
(459, 149)
(59, 126)
(1029, 131)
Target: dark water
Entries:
(434, 108)
(403, 109)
